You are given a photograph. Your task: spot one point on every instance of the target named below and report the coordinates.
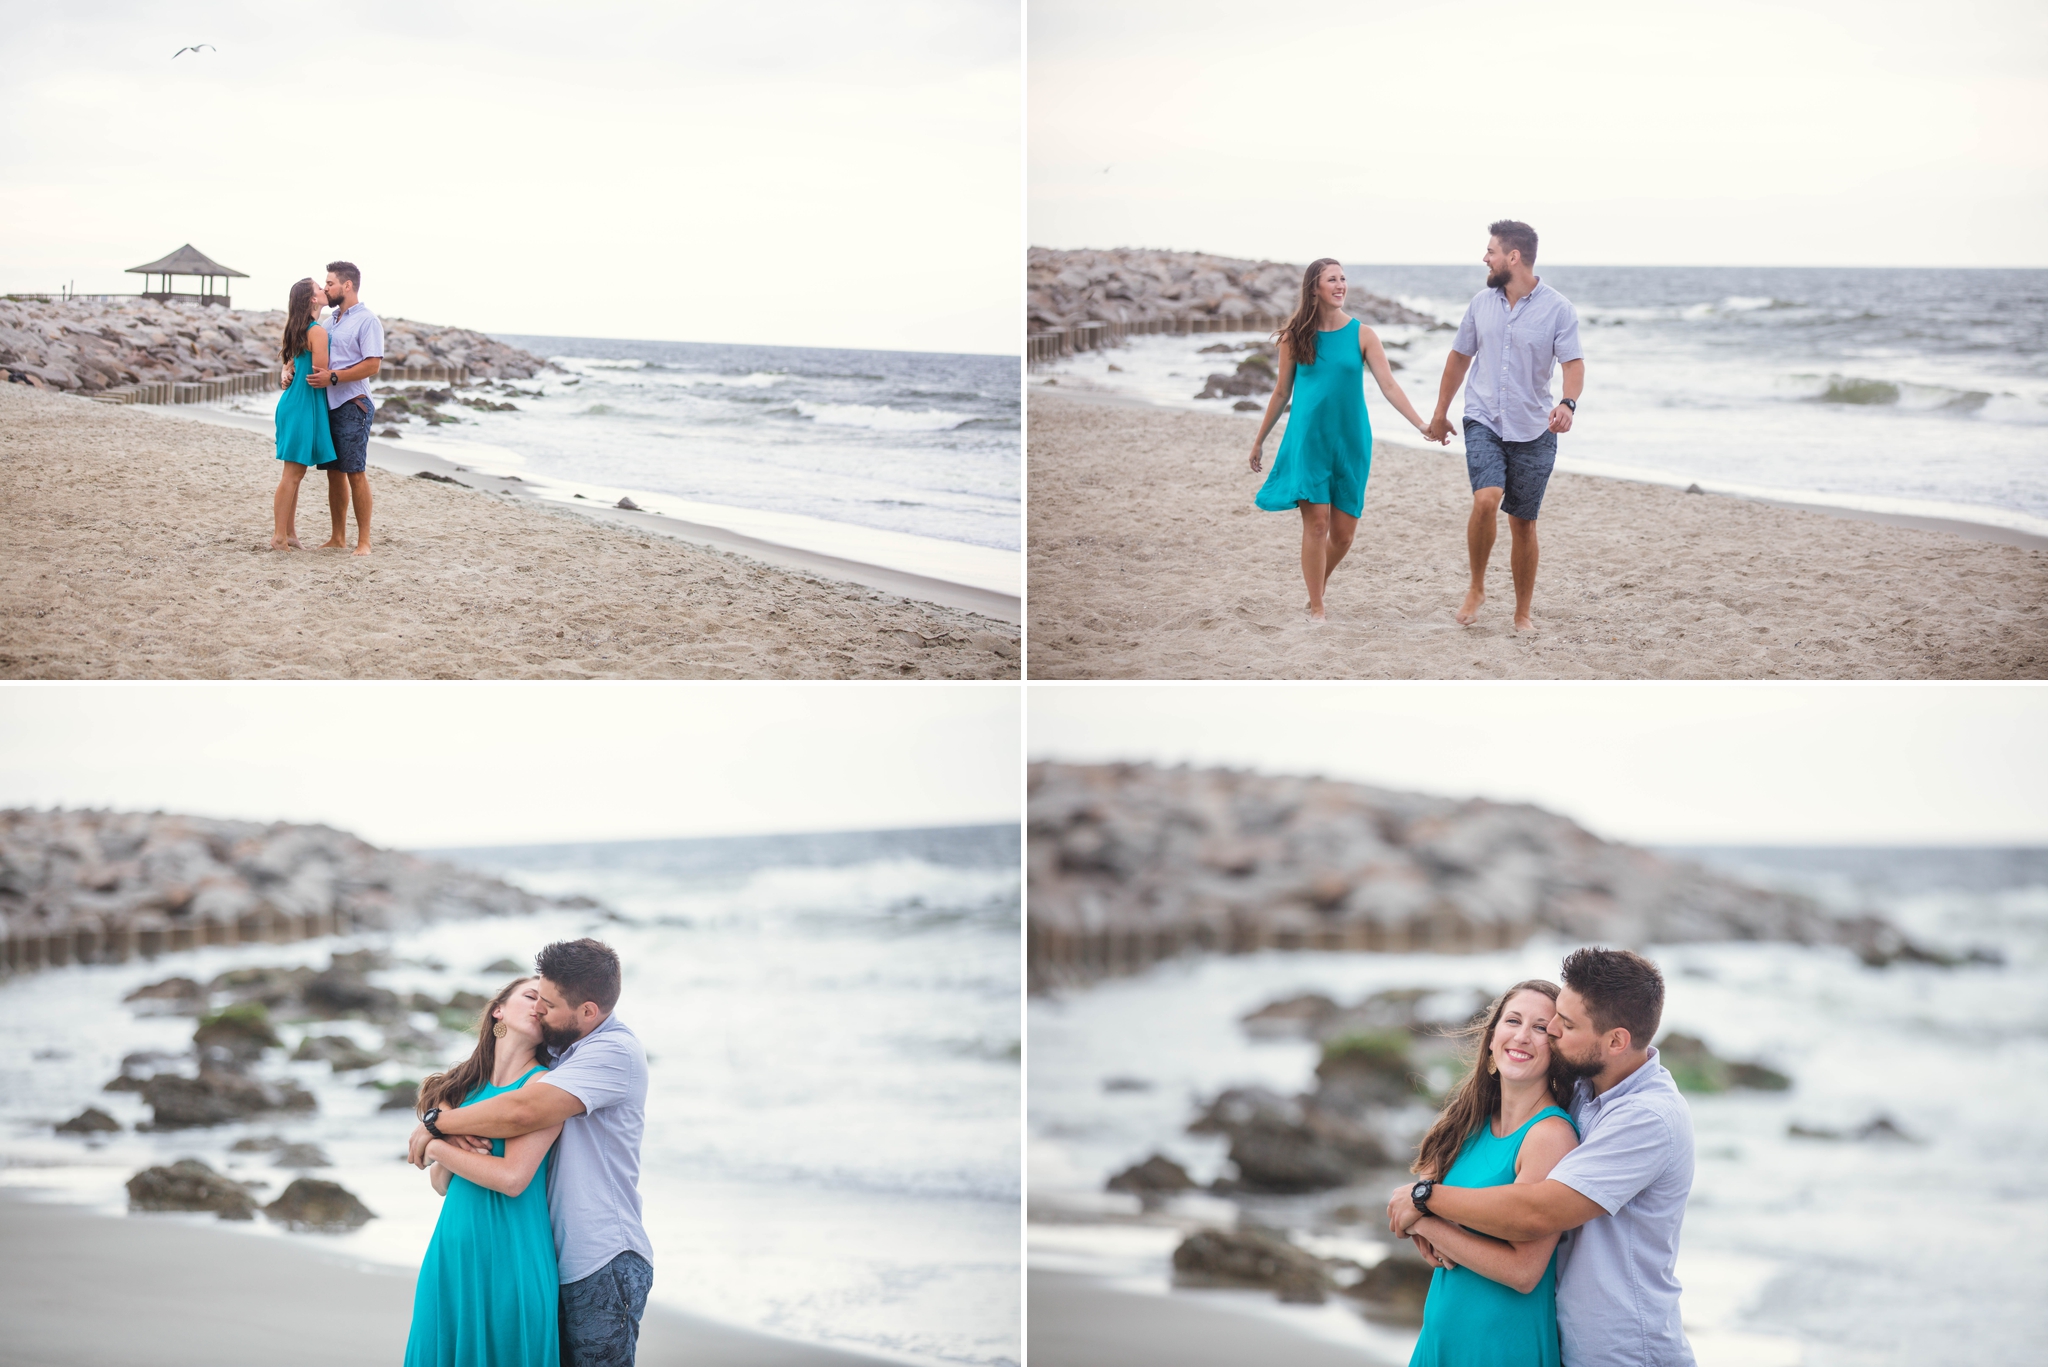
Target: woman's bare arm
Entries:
(1376, 361)
(509, 1174)
(318, 341)
(1519, 1265)
(439, 1175)
(1283, 389)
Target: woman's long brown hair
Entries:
(298, 317)
(1477, 1099)
(1300, 331)
(450, 1089)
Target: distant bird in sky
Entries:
(194, 48)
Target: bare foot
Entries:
(283, 543)
(1469, 612)
(362, 545)
(293, 542)
(1524, 622)
(1315, 615)
(334, 543)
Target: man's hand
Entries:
(1560, 419)
(1439, 429)
(320, 379)
(1401, 1212)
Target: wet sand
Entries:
(1148, 560)
(137, 550)
(1080, 1321)
(78, 1289)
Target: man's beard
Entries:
(1574, 1070)
(558, 1038)
(1498, 279)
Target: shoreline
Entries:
(1978, 531)
(1638, 580)
(411, 460)
(82, 1289)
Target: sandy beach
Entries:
(1081, 1321)
(79, 1289)
(137, 551)
(1148, 560)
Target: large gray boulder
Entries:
(189, 1184)
(320, 1207)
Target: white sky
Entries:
(1649, 763)
(416, 765)
(1742, 132)
(816, 172)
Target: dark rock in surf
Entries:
(242, 1031)
(1282, 1145)
(339, 1052)
(303, 1156)
(217, 1097)
(189, 1184)
(1251, 1257)
(1155, 1176)
(315, 1206)
(628, 504)
(401, 1096)
(1394, 1288)
(91, 1120)
(171, 997)
(1696, 1068)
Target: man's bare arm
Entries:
(533, 1107)
(1518, 1212)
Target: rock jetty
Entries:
(1125, 285)
(1129, 863)
(86, 346)
(98, 886)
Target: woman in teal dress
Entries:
(1326, 451)
(303, 439)
(488, 1289)
(1492, 1303)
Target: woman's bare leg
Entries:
(1343, 527)
(284, 534)
(1315, 554)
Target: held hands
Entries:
(1560, 419)
(1439, 430)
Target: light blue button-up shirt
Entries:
(594, 1182)
(352, 335)
(1513, 351)
(1617, 1281)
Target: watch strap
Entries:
(428, 1121)
(1572, 404)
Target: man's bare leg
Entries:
(1315, 554)
(284, 532)
(337, 511)
(359, 485)
(1480, 529)
(1522, 560)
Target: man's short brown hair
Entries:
(1620, 988)
(586, 971)
(346, 270)
(1514, 235)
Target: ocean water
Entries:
(850, 452)
(1795, 1251)
(832, 1027)
(1908, 391)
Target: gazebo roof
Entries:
(187, 260)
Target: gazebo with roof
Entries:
(187, 260)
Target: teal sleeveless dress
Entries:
(1469, 1321)
(488, 1289)
(302, 433)
(1326, 452)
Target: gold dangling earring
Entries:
(498, 1030)
(1491, 1066)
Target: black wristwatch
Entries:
(428, 1121)
(1572, 404)
(1419, 1193)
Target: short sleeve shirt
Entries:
(1617, 1283)
(594, 1182)
(353, 335)
(1514, 351)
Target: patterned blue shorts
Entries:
(350, 426)
(1520, 469)
(601, 1314)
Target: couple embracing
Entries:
(1514, 333)
(1553, 1183)
(538, 1258)
(324, 409)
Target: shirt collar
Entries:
(1502, 291)
(1633, 1082)
(607, 1023)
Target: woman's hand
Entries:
(1257, 459)
(1430, 1255)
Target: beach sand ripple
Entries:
(1148, 560)
(135, 550)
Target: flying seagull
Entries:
(194, 48)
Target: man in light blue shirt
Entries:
(355, 352)
(1515, 332)
(596, 1090)
(1621, 1192)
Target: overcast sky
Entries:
(1648, 763)
(1751, 132)
(421, 765)
(818, 172)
